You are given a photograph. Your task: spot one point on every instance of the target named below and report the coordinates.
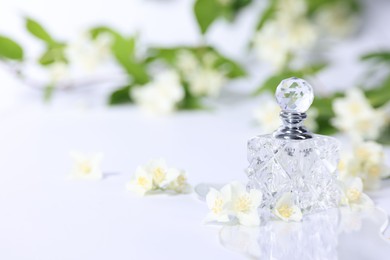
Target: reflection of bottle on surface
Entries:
(314, 238)
(293, 160)
(330, 234)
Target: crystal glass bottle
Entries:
(292, 159)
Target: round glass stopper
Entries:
(294, 95)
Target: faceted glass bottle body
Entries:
(305, 168)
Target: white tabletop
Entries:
(46, 216)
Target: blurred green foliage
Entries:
(55, 50)
(9, 49)
(138, 65)
(208, 11)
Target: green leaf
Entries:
(385, 136)
(190, 102)
(324, 106)
(267, 14)
(48, 93)
(382, 56)
(324, 126)
(124, 46)
(121, 96)
(234, 70)
(38, 31)
(123, 49)
(239, 4)
(168, 55)
(353, 6)
(98, 30)
(138, 71)
(206, 12)
(380, 95)
(55, 50)
(314, 69)
(53, 54)
(9, 49)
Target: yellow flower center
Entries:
(181, 180)
(374, 171)
(363, 125)
(361, 153)
(353, 195)
(355, 108)
(243, 204)
(285, 211)
(341, 166)
(158, 175)
(269, 117)
(85, 168)
(217, 207)
(142, 181)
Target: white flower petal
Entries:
(179, 182)
(286, 210)
(86, 167)
(161, 95)
(237, 188)
(211, 196)
(356, 117)
(256, 197)
(297, 214)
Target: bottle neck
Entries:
(293, 127)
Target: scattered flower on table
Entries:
(353, 195)
(142, 182)
(245, 204)
(366, 161)
(286, 209)
(218, 201)
(86, 167)
(179, 184)
(160, 96)
(234, 202)
(157, 176)
(356, 117)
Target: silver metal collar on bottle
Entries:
(293, 128)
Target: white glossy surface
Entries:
(45, 216)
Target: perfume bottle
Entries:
(292, 159)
